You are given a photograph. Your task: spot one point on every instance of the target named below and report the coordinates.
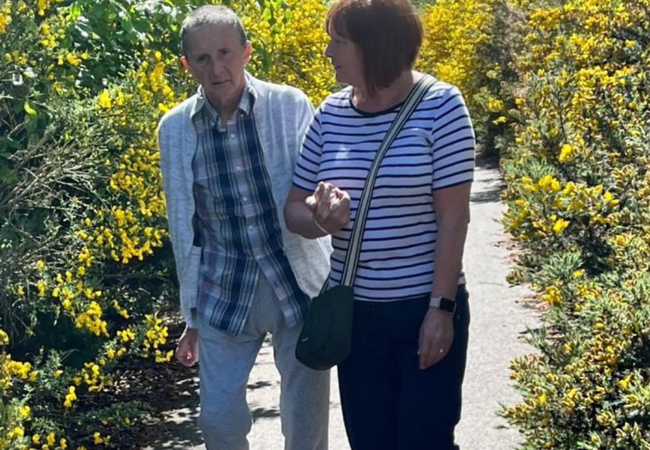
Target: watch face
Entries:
(447, 304)
(443, 304)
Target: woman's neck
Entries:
(387, 97)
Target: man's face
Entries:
(217, 58)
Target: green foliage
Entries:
(87, 279)
(577, 173)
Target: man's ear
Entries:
(185, 63)
(248, 50)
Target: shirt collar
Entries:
(245, 104)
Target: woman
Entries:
(401, 384)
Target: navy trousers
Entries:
(388, 402)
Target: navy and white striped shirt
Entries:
(434, 150)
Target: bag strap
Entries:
(354, 248)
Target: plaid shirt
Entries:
(237, 222)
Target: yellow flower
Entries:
(40, 265)
(611, 201)
(494, 105)
(560, 225)
(552, 296)
(4, 337)
(36, 439)
(72, 59)
(4, 21)
(105, 100)
(51, 439)
(25, 412)
(566, 153)
(625, 383)
(550, 183)
(42, 288)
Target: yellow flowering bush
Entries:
(466, 44)
(86, 274)
(454, 35)
(578, 178)
(289, 41)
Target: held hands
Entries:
(330, 207)
(187, 352)
(436, 337)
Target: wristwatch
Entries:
(443, 304)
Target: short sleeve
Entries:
(453, 142)
(306, 173)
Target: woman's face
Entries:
(345, 57)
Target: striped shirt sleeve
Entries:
(306, 173)
(453, 142)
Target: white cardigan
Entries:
(282, 115)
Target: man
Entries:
(227, 157)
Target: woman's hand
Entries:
(436, 337)
(330, 207)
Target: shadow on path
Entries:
(490, 187)
(176, 419)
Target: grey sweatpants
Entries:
(225, 366)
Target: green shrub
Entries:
(577, 195)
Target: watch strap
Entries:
(443, 304)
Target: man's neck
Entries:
(227, 108)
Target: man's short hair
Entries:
(211, 15)
(388, 33)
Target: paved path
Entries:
(495, 338)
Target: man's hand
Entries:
(330, 206)
(436, 337)
(187, 352)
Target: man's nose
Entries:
(217, 67)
